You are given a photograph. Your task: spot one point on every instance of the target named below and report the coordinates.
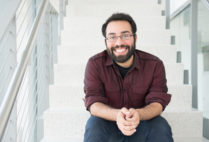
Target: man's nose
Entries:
(119, 41)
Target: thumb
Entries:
(126, 112)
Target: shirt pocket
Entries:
(137, 97)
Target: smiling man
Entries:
(125, 89)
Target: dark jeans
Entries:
(154, 130)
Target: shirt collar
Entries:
(136, 61)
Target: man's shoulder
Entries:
(146, 56)
(99, 56)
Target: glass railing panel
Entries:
(180, 27)
(26, 123)
(203, 57)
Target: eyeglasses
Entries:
(122, 37)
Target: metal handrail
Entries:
(179, 10)
(12, 91)
(206, 3)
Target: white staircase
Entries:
(65, 119)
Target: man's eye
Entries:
(112, 37)
(125, 36)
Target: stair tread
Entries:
(80, 139)
(82, 109)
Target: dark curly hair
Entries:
(118, 17)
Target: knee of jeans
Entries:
(161, 126)
(94, 123)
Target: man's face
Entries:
(120, 41)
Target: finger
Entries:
(129, 128)
(129, 118)
(122, 121)
(125, 111)
(132, 111)
(129, 133)
(126, 123)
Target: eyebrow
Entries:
(123, 32)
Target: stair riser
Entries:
(67, 55)
(72, 97)
(174, 74)
(96, 23)
(185, 124)
(106, 10)
(130, 2)
(73, 124)
(181, 98)
(88, 37)
(70, 124)
(75, 74)
(78, 139)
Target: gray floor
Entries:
(190, 140)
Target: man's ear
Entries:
(136, 37)
(105, 42)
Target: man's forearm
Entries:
(104, 111)
(150, 111)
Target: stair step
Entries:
(185, 124)
(67, 54)
(174, 73)
(190, 139)
(89, 38)
(106, 9)
(60, 139)
(135, 2)
(72, 23)
(69, 96)
(66, 96)
(181, 98)
(79, 139)
(74, 74)
(65, 123)
(71, 122)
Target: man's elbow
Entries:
(93, 109)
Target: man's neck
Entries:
(128, 63)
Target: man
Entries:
(125, 89)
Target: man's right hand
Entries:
(127, 127)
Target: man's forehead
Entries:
(123, 32)
(118, 27)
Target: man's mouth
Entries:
(120, 50)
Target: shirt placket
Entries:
(120, 83)
(126, 85)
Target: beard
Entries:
(121, 58)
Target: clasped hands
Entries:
(128, 120)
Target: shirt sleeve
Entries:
(93, 86)
(158, 89)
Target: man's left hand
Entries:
(133, 117)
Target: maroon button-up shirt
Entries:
(143, 84)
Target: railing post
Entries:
(194, 51)
(167, 14)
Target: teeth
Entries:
(120, 50)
